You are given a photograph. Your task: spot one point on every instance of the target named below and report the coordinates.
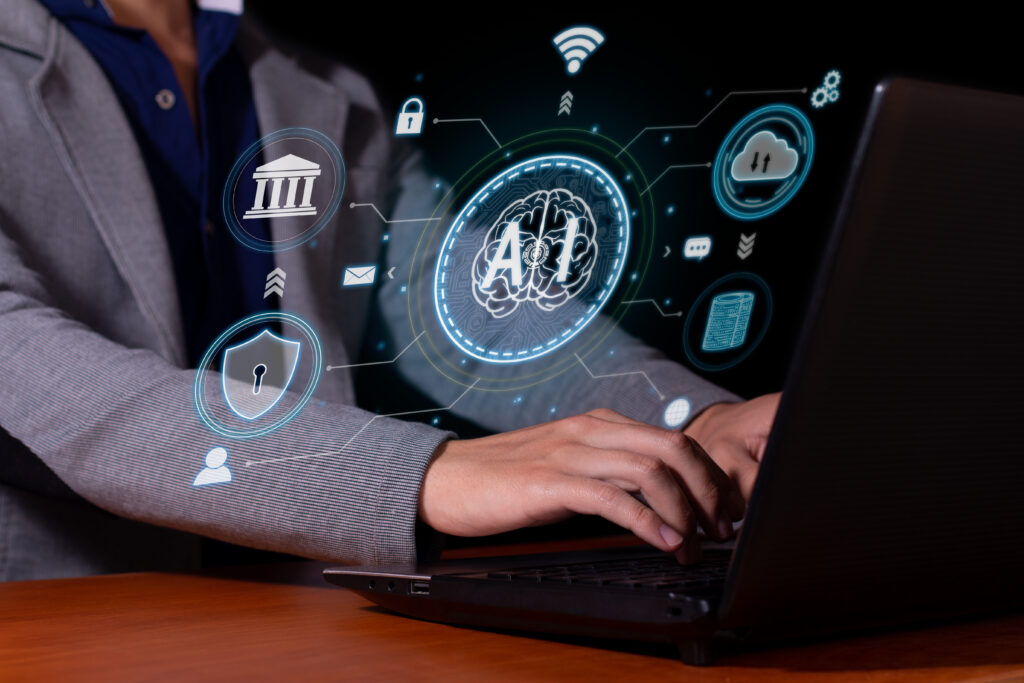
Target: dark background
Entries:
(497, 62)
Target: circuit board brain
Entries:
(541, 251)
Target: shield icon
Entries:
(256, 373)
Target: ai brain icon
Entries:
(531, 259)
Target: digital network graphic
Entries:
(284, 189)
(529, 260)
(258, 375)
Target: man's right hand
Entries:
(586, 464)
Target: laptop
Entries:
(892, 488)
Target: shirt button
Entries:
(165, 99)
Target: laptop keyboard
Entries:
(645, 573)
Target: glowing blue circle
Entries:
(258, 428)
(580, 190)
(796, 129)
(297, 139)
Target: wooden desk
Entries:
(283, 622)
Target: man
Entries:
(119, 121)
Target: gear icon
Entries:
(833, 95)
(832, 79)
(819, 97)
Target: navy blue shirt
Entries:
(219, 280)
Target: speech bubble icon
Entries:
(697, 247)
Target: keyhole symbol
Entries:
(257, 373)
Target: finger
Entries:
(595, 497)
(711, 491)
(644, 473)
(741, 468)
(713, 494)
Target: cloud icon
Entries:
(765, 157)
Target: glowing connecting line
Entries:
(373, 206)
(481, 121)
(677, 314)
(250, 463)
(380, 362)
(620, 374)
(710, 112)
(647, 189)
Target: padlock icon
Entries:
(410, 118)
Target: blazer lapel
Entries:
(288, 96)
(98, 149)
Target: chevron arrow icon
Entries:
(746, 247)
(565, 105)
(275, 283)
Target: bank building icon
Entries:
(286, 173)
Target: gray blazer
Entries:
(101, 440)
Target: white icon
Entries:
(565, 105)
(765, 157)
(576, 44)
(357, 276)
(676, 412)
(391, 272)
(697, 247)
(216, 470)
(828, 92)
(550, 233)
(256, 373)
(275, 283)
(291, 168)
(410, 118)
(746, 247)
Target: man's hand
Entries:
(587, 464)
(735, 434)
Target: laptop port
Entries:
(419, 588)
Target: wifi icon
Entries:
(576, 44)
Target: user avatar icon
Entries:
(216, 470)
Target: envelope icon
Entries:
(356, 276)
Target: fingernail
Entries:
(724, 528)
(670, 535)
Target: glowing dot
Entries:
(670, 209)
(312, 244)
(707, 93)
(437, 185)
(667, 139)
(553, 410)
(462, 362)
(418, 78)
(633, 213)
(435, 421)
(629, 177)
(385, 237)
(381, 345)
(611, 352)
(668, 302)
(634, 276)
(594, 128)
(508, 154)
(518, 400)
(676, 412)
(403, 289)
